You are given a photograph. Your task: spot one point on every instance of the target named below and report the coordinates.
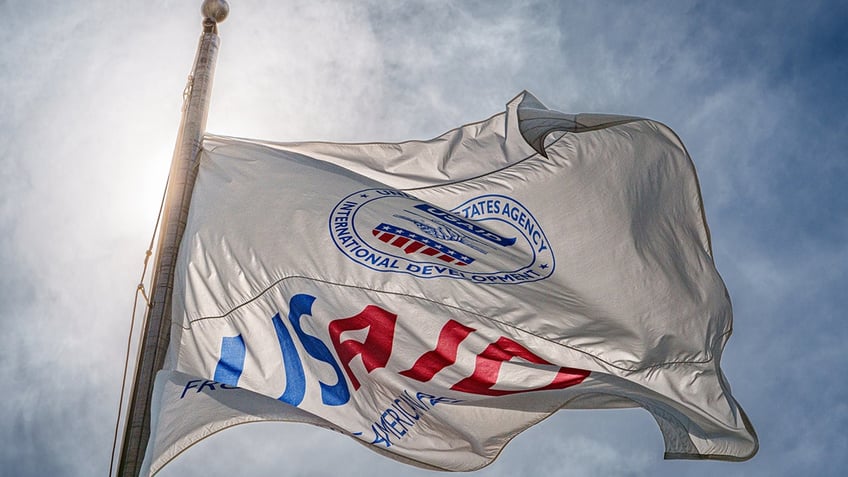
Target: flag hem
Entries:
(723, 457)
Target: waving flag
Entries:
(432, 299)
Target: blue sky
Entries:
(89, 114)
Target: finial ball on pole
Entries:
(215, 9)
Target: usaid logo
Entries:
(489, 239)
(343, 354)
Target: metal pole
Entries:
(156, 333)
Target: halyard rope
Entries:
(138, 290)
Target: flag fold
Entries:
(432, 299)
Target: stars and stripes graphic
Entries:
(411, 242)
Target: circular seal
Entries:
(488, 239)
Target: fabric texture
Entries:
(432, 299)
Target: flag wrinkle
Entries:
(260, 408)
(606, 363)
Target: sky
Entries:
(89, 110)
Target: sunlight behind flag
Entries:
(432, 299)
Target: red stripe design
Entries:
(410, 246)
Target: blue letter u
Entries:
(230, 365)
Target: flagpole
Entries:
(156, 332)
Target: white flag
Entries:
(432, 299)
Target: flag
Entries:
(433, 299)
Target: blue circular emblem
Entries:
(488, 239)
